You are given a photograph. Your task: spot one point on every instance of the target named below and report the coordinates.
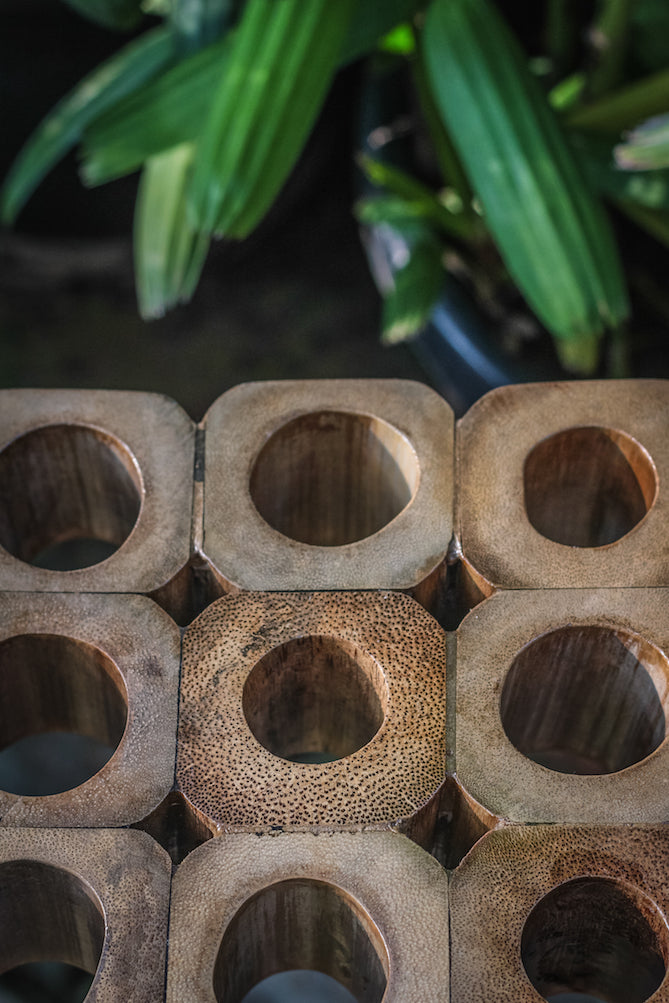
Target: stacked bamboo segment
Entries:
(261, 619)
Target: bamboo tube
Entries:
(558, 485)
(368, 909)
(563, 705)
(304, 710)
(328, 484)
(110, 468)
(538, 911)
(101, 666)
(96, 899)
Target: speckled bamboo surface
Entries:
(387, 697)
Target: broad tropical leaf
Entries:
(645, 188)
(416, 198)
(171, 109)
(169, 252)
(136, 63)
(550, 229)
(646, 148)
(278, 72)
(407, 231)
(407, 307)
(623, 108)
(166, 112)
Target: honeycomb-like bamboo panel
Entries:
(356, 770)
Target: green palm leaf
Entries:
(166, 112)
(550, 229)
(279, 69)
(63, 126)
(169, 252)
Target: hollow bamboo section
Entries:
(94, 899)
(563, 705)
(328, 484)
(368, 909)
(542, 911)
(96, 490)
(304, 710)
(93, 675)
(559, 485)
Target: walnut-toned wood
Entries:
(104, 666)
(328, 484)
(563, 705)
(113, 467)
(96, 899)
(450, 824)
(273, 683)
(369, 909)
(537, 911)
(559, 485)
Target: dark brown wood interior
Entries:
(329, 478)
(315, 698)
(581, 699)
(302, 924)
(48, 914)
(587, 487)
(597, 936)
(54, 683)
(66, 482)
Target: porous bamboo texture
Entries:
(559, 485)
(112, 468)
(538, 911)
(369, 909)
(328, 484)
(275, 683)
(316, 717)
(101, 666)
(563, 703)
(95, 899)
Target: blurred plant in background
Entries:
(530, 136)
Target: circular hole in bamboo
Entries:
(63, 711)
(315, 699)
(70, 495)
(586, 699)
(48, 915)
(587, 487)
(597, 936)
(329, 478)
(301, 924)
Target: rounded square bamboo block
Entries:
(328, 484)
(537, 911)
(96, 899)
(563, 705)
(368, 909)
(103, 666)
(110, 466)
(558, 485)
(273, 683)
